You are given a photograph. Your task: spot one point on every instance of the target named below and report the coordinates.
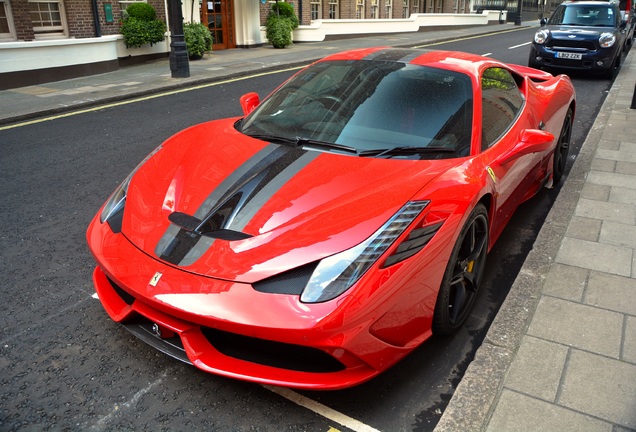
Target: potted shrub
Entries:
(280, 23)
(140, 26)
(198, 40)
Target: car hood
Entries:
(577, 33)
(264, 208)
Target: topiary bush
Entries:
(281, 21)
(142, 11)
(278, 31)
(197, 38)
(140, 27)
(285, 10)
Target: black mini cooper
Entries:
(587, 36)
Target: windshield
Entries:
(370, 107)
(584, 15)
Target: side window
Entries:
(501, 102)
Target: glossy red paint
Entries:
(327, 203)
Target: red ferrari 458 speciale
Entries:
(319, 239)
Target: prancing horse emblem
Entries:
(155, 279)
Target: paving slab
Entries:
(595, 256)
(577, 325)
(537, 368)
(611, 292)
(566, 282)
(584, 228)
(521, 413)
(599, 386)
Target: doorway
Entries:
(218, 16)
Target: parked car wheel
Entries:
(561, 150)
(463, 274)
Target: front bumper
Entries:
(597, 61)
(230, 329)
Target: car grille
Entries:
(569, 43)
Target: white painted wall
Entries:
(17, 56)
(318, 30)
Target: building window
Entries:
(334, 9)
(388, 9)
(7, 31)
(359, 9)
(374, 9)
(47, 18)
(416, 6)
(405, 9)
(316, 9)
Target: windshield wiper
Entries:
(325, 145)
(273, 138)
(304, 142)
(400, 150)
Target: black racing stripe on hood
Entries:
(400, 55)
(231, 205)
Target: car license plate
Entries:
(567, 55)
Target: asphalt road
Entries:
(65, 366)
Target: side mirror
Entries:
(543, 22)
(249, 101)
(623, 25)
(530, 141)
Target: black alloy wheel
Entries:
(463, 274)
(561, 150)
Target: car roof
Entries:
(456, 61)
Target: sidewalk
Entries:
(561, 353)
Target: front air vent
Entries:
(415, 242)
(270, 353)
(127, 298)
(291, 282)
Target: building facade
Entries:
(28, 20)
(49, 40)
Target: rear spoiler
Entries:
(533, 74)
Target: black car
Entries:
(588, 36)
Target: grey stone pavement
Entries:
(561, 353)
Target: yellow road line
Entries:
(318, 408)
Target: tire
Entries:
(613, 71)
(463, 274)
(561, 150)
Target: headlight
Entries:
(117, 200)
(337, 273)
(606, 39)
(541, 36)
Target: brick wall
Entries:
(79, 17)
(22, 19)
